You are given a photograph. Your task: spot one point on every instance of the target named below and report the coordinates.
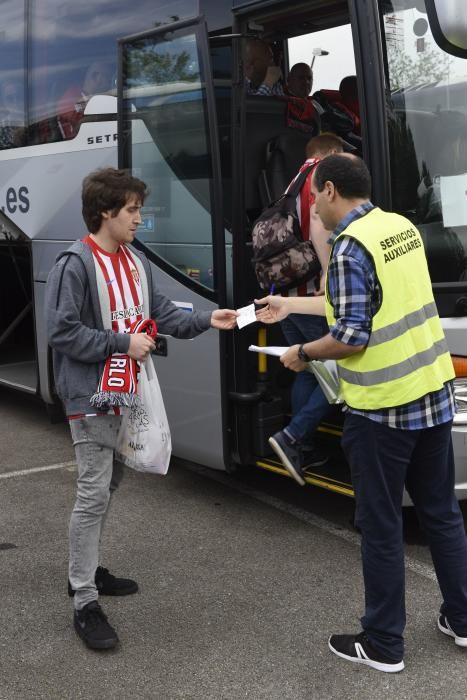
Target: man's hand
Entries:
(141, 345)
(276, 309)
(224, 319)
(290, 359)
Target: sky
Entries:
(329, 70)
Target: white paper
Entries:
(454, 199)
(247, 315)
(274, 350)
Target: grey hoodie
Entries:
(76, 332)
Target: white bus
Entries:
(159, 88)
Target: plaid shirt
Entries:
(356, 294)
(277, 90)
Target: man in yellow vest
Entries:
(395, 374)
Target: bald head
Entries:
(300, 80)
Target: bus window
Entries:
(12, 83)
(278, 128)
(335, 61)
(67, 71)
(73, 57)
(334, 91)
(164, 87)
(427, 116)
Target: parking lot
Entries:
(242, 579)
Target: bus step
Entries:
(20, 375)
(331, 476)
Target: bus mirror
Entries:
(448, 22)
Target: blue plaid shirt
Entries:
(276, 90)
(356, 295)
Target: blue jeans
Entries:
(309, 404)
(382, 461)
(99, 474)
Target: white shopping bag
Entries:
(144, 441)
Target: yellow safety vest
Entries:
(407, 354)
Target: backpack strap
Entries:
(300, 180)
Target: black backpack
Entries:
(281, 257)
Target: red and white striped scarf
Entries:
(119, 381)
(122, 289)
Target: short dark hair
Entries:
(108, 189)
(348, 87)
(348, 173)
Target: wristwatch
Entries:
(302, 354)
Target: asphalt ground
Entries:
(242, 579)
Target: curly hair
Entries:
(108, 189)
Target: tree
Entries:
(429, 66)
(150, 66)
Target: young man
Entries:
(395, 371)
(95, 291)
(295, 444)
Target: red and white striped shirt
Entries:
(125, 292)
(123, 284)
(304, 201)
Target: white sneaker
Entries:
(445, 628)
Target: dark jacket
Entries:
(76, 332)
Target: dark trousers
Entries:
(382, 461)
(309, 404)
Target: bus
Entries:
(159, 89)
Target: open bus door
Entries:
(167, 134)
(18, 332)
(260, 401)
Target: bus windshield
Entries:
(427, 117)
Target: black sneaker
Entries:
(290, 454)
(446, 628)
(93, 628)
(107, 584)
(312, 457)
(358, 649)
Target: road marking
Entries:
(413, 565)
(35, 470)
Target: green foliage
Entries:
(429, 66)
(150, 66)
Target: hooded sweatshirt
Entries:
(76, 331)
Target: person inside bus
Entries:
(302, 112)
(71, 106)
(96, 292)
(299, 81)
(309, 404)
(349, 95)
(399, 405)
(262, 77)
(340, 111)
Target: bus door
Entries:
(269, 147)
(167, 136)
